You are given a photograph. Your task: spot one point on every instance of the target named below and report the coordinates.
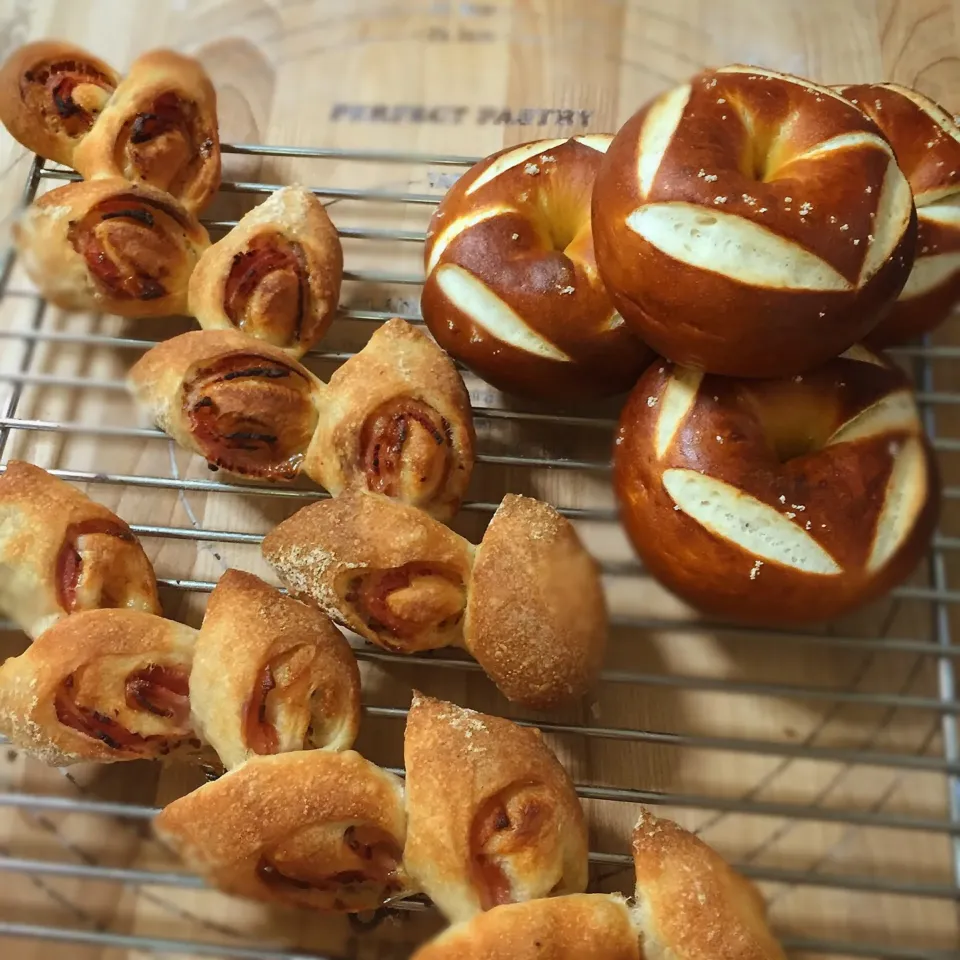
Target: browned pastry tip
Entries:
(926, 141)
(159, 128)
(493, 815)
(594, 926)
(310, 829)
(271, 675)
(242, 404)
(388, 571)
(397, 421)
(275, 276)
(691, 904)
(536, 616)
(751, 223)
(102, 685)
(512, 287)
(51, 93)
(61, 552)
(778, 501)
(111, 246)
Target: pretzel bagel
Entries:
(512, 287)
(785, 500)
(926, 140)
(752, 224)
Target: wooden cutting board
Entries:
(451, 77)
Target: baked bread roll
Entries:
(385, 570)
(751, 223)
(310, 829)
(530, 607)
(536, 618)
(492, 815)
(158, 128)
(275, 276)
(777, 501)
(690, 903)
(271, 675)
(597, 926)
(61, 552)
(926, 141)
(512, 288)
(51, 93)
(397, 420)
(240, 403)
(111, 246)
(103, 685)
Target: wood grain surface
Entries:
(465, 78)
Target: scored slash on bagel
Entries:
(751, 223)
(512, 287)
(926, 141)
(777, 501)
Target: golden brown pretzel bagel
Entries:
(111, 246)
(158, 128)
(926, 140)
(512, 288)
(779, 501)
(751, 223)
(51, 94)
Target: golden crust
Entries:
(323, 550)
(61, 552)
(295, 828)
(209, 387)
(493, 815)
(536, 617)
(159, 128)
(398, 421)
(595, 926)
(102, 685)
(275, 276)
(271, 675)
(51, 93)
(111, 246)
(691, 904)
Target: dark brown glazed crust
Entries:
(780, 514)
(524, 235)
(713, 313)
(51, 93)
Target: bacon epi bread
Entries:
(103, 685)
(777, 501)
(407, 583)
(61, 552)
(583, 926)
(926, 141)
(394, 418)
(275, 276)
(512, 288)
(158, 128)
(310, 828)
(509, 826)
(51, 94)
(769, 198)
(111, 246)
(271, 675)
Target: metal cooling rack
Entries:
(938, 600)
